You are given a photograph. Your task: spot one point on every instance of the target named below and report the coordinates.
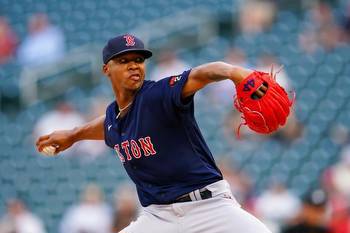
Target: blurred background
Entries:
(50, 78)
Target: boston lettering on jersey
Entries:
(135, 149)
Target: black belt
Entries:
(204, 194)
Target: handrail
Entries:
(30, 77)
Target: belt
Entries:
(196, 195)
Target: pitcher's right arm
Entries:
(64, 139)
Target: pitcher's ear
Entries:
(105, 69)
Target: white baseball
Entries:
(49, 150)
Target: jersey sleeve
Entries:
(172, 89)
(108, 123)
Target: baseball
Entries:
(49, 151)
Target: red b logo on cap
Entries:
(130, 40)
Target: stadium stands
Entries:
(50, 185)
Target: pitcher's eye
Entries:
(123, 61)
(139, 60)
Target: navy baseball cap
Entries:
(123, 44)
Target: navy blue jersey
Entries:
(159, 143)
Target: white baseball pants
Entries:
(219, 214)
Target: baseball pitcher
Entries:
(153, 131)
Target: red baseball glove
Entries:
(264, 104)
